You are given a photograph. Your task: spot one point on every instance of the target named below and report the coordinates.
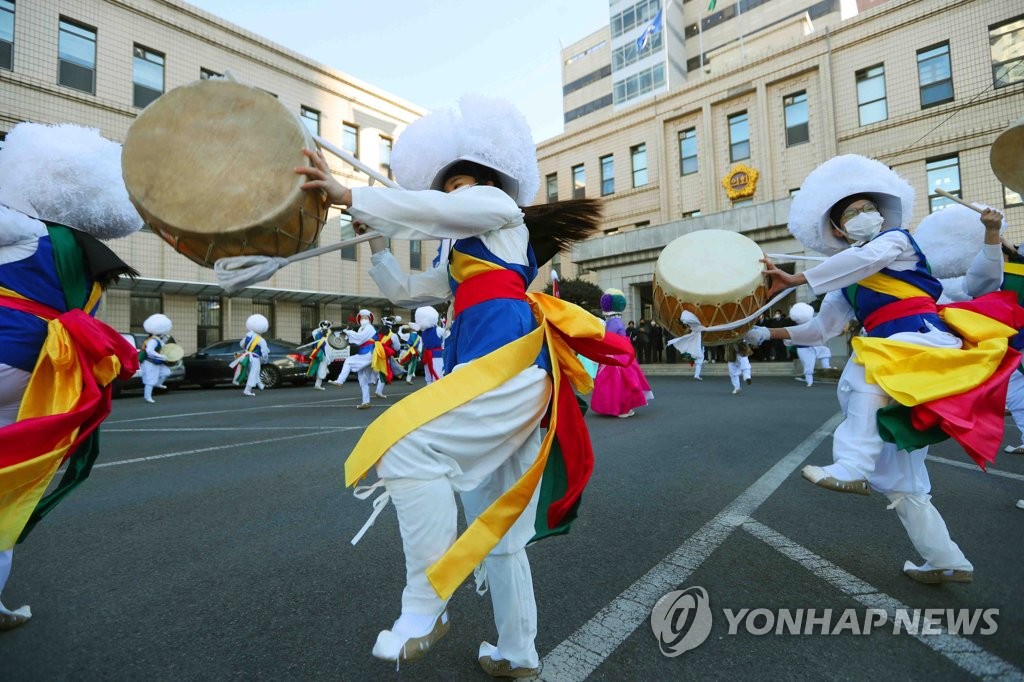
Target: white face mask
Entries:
(864, 226)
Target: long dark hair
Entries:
(556, 226)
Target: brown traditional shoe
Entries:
(934, 576)
(818, 477)
(363, 406)
(504, 668)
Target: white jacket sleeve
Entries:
(151, 351)
(888, 250)
(986, 272)
(831, 320)
(409, 290)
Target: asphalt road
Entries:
(212, 542)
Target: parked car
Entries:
(137, 339)
(209, 366)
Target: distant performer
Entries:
(154, 363)
(254, 354)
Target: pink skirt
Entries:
(617, 390)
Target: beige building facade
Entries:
(98, 63)
(923, 86)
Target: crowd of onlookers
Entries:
(649, 339)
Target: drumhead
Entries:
(216, 158)
(173, 352)
(715, 274)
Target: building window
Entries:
(739, 137)
(76, 57)
(347, 252)
(579, 182)
(207, 74)
(607, 175)
(797, 128)
(551, 183)
(208, 321)
(350, 139)
(1006, 40)
(942, 173)
(308, 320)
(147, 76)
(1011, 198)
(688, 152)
(311, 118)
(415, 255)
(691, 214)
(935, 75)
(638, 156)
(140, 307)
(6, 34)
(871, 103)
(385, 156)
(638, 13)
(641, 83)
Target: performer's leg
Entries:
(164, 372)
(903, 477)
(734, 376)
(321, 374)
(253, 379)
(365, 376)
(744, 363)
(10, 619)
(379, 391)
(147, 393)
(1015, 404)
(346, 369)
(806, 356)
(698, 363)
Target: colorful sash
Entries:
(241, 363)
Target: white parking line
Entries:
(591, 644)
(960, 650)
(974, 467)
(254, 408)
(214, 448)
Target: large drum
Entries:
(210, 166)
(715, 274)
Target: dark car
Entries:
(210, 366)
(137, 339)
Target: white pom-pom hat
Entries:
(801, 313)
(950, 238)
(426, 317)
(158, 324)
(69, 175)
(257, 324)
(489, 131)
(836, 179)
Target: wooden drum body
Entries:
(210, 166)
(715, 274)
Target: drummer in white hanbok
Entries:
(361, 344)
(154, 363)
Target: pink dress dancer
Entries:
(617, 390)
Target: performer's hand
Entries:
(780, 278)
(319, 177)
(757, 335)
(993, 221)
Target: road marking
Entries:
(584, 650)
(214, 448)
(975, 467)
(960, 650)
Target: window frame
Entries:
(348, 253)
(579, 181)
(932, 59)
(64, 27)
(7, 51)
(639, 174)
(791, 103)
(551, 182)
(308, 119)
(734, 120)
(415, 254)
(385, 144)
(350, 131)
(992, 44)
(683, 138)
(864, 76)
(937, 201)
(143, 95)
(607, 162)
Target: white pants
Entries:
(438, 363)
(741, 366)
(152, 375)
(1015, 400)
(478, 449)
(808, 357)
(856, 444)
(903, 478)
(698, 363)
(253, 379)
(13, 382)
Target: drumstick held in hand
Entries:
(951, 197)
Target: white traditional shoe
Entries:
(12, 619)
(363, 406)
(501, 667)
(930, 575)
(160, 386)
(248, 393)
(820, 477)
(735, 391)
(631, 413)
(398, 645)
(320, 388)
(149, 400)
(1020, 504)
(1014, 449)
(335, 383)
(697, 379)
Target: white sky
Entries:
(430, 52)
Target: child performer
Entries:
(618, 389)
(154, 363)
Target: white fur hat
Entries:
(490, 131)
(257, 324)
(426, 317)
(69, 175)
(801, 313)
(836, 179)
(157, 324)
(950, 239)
